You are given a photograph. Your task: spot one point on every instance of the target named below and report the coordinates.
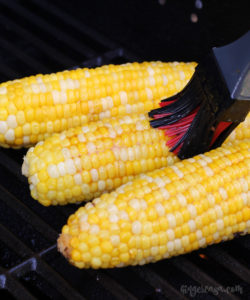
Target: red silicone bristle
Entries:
(219, 129)
(178, 129)
(166, 103)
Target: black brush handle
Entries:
(233, 61)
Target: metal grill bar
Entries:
(69, 20)
(51, 30)
(28, 60)
(229, 262)
(200, 276)
(28, 215)
(161, 285)
(48, 49)
(112, 286)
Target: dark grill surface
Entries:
(40, 37)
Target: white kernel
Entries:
(216, 235)
(118, 130)
(164, 193)
(139, 126)
(123, 215)
(135, 204)
(218, 211)
(223, 193)
(26, 140)
(101, 185)
(123, 97)
(202, 162)
(3, 127)
(151, 80)
(66, 153)
(77, 163)
(182, 199)
(209, 171)
(56, 97)
(142, 262)
(131, 155)
(149, 94)
(113, 218)
(199, 234)
(244, 197)
(85, 129)
(150, 71)
(35, 88)
(104, 104)
(202, 242)
(10, 135)
(177, 171)
(160, 209)
(177, 244)
(83, 217)
(85, 188)
(53, 171)
(211, 199)
(62, 136)
(81, 138)
(165, 79)
(11, 121)
(192, 225)
(70, 167)
(3, 90)
(94, 174)
(244, 184)
(191, 208)
(170, 234)
(143, 204)
(115, 240)
(171, 220)
(91, 148)
(78, 179)
(112, 133)
(86, 73)
(34, 179)
(170, 246)
(124, 154)
(182, 75)
(129, 108)
(94, 229)
(136, 227)
(160, 182)
(220, 224)
(61, 168)
(84, 226)
(89, 205)
(154, 250)
(112, 209)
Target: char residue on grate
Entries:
(39, 37)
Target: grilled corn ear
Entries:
(167, 212)
(33, 108)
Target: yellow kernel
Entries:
(106, 247)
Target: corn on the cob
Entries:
(167, 212)
(84, 162)
(81, 163)
(34, 107)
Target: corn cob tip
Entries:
(63, 245)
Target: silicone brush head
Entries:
(206, 111)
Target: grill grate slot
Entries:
(55, 35)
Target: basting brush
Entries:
(214, 102)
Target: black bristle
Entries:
(186, 101)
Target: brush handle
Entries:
(234, 63)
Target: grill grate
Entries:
(37, 36)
